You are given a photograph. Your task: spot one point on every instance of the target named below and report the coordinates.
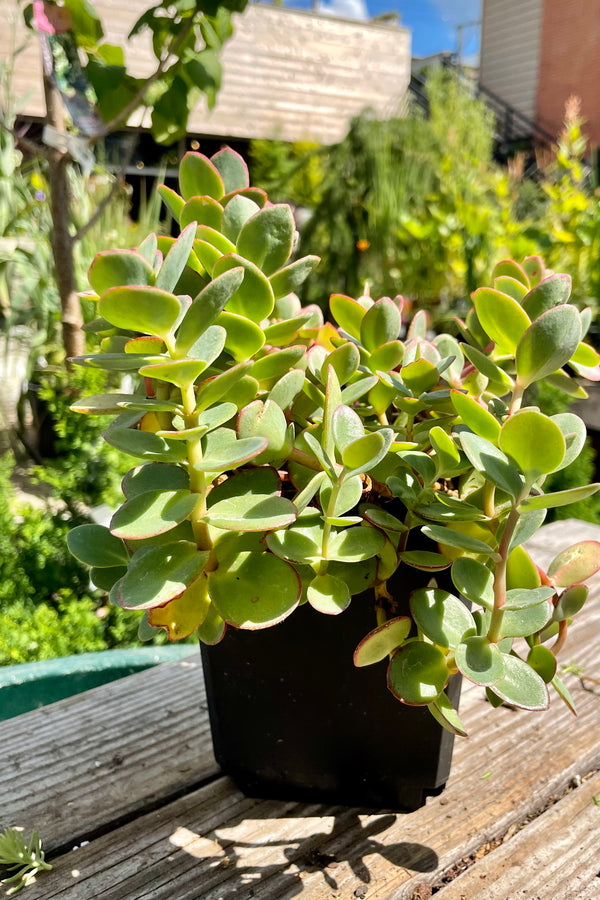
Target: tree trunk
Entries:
(62, 242)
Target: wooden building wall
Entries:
(288, 74)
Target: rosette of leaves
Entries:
(281, 460)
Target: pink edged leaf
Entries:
(199, 177)
(575, 564)
(157, 575)
(511, 269)
(232, 169)
(382, 641)
(116, 268)
(253, 590)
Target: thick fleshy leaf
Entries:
(347, 498)
(511, 269)
(559, 498)
(424, 560)
(265, 420)
(345, 360)
(501, 317)
(145, 445)
(447, 455)
(526, 621)
(543, 661)
(119, 268)
(184, 614)
(528, 525)
(366, 452)
(266, 239)
(488, 459)
(215, 388)
(224, 451)
(288, 280)
(281, 334)
(244, 338)
(502, 382)
(571, 602)
(328, 594)
(273, 366)
(105, 578)
(417, 674)
(552, 291)
(355, 544)
(347, 427)
(533, 266)
(564, 693)
(146, 309)
(442, 618)
(443, 712)
(152, 512)
(212, 629)
(287, 388)
(575, 564)
(386, 357)
(347, 313)
(521, 686)
(574, 433)
(521, 598)
(155, 477)
(236, 214)
(254, 590)
(180, 372)
(95, 546)
(232, 169)
(521, 571)
(547, 344)
(480, 661)
(476, 416)
(381, 324)
(198, 177)
(214, 238)
(511, 286)
(382, 641)
(534, 441)
(159, 574)
(450, 537)
(246, 502)
(172, 200)
(209, 346)
(420, 375)
(474, 581)
(101, 404)
(176, 260)
(253, 297)
(201, 211)
(206, 308)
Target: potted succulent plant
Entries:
(360, 485)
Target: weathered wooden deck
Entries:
(128, 768)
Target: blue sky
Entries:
(432, 22)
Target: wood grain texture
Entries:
(217, 844)
(555, 857)
(97, 757)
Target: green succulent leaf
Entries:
(488, 459)
(232, 169)
(287, 388)
(534, 441)
(501, 380)
(511, 269)
(548, 293)
(381, 324)
(348, 495)
(253, 297)
(543, 661)
(347, 313)
(328, 594)
(157, 575)
(547, 344)
(355, 544)
(244, 338)
(266, 239)
(176, 260)
(521, 685)
(250, 501)
(214, 389)
(345, 360)
(199, 177)
(95, 546)
(253, 590)
(476, 417)
(424, 560)
(265, 420)
(501, 317)
(201, 211)
(119, 268)
(511, 286)
(289, 279)
(146, 309)
(236, 214)
(474, 581)
(571, 601)
(525, 621)
(521, 598)
(366, 452)
(564, 693)
(153, 512)
(442, 618)
(447, 536)
(145, 445)
(180, 372)
(480, 661)
(559, 498)
(155, 477)
(172, 200)
(273, 366)
(382, 641)
(443, 712)
(417, 674)
(212, 629)
(575, 564)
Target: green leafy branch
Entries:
(23, 860)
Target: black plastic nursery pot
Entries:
(292, 718)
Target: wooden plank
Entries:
(218, 844)
(101, 756)
(555, 857)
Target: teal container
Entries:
(31, 685)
